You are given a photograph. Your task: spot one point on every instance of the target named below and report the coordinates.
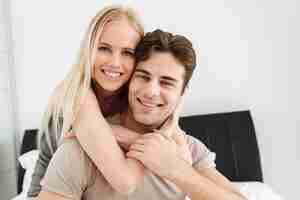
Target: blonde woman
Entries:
(105, 64)
(98, 80)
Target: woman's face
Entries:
(115, 59)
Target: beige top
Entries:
(72, 174)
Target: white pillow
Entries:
(257, 191)
(28, 161)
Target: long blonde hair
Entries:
(65, 102)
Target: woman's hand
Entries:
(69, 135)
(124, 136)
(179, 138)
(172, 130)
(171, 124)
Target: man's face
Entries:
(155, 89)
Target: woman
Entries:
(105, 64)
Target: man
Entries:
(165, 64)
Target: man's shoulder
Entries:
(71, 151)
(193, 141)
(201, 155)
(70, 145)
(69, 171)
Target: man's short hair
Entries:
(177, 45)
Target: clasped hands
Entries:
(161, 151)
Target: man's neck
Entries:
(129, 122)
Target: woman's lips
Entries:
(111, 74)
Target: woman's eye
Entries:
(129, 53)
(103, 48)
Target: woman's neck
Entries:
(104, 94)
(107, 100)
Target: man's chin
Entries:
(146, 121)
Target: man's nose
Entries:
(152, 89)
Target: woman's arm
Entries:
(41, 165)
(100, 141)
(97, 139)
(124, 136)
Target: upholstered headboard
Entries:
(230, 135)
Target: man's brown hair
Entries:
(179, 46)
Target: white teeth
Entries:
(112, 74)
(148, 104)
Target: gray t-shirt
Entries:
(72, 174)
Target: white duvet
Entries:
(258, 191)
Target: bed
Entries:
(230, 135)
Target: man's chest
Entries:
(152, 188)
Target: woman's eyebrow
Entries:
(104, 43)
(108, 45)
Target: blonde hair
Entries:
(65, 102)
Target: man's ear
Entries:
(184, 91)
(179, 105)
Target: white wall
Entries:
(249, 60)
(8, 186)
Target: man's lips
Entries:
(149, 104)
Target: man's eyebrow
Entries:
(143, 71)
(168, 78)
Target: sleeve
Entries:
(47, 147)
(69, 172)
(41, 166)
(202, 157)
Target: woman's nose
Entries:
(116, 60)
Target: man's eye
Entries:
(144, 77)
(167, 84)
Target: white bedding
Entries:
(251, 190)
(258, 191)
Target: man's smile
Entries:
(148, 104)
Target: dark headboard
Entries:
(29, 143)
(232, 137)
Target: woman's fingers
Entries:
(137, 147)
(69, 135)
